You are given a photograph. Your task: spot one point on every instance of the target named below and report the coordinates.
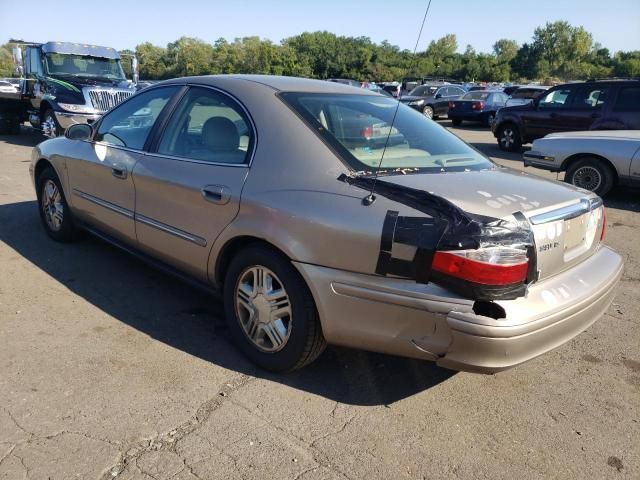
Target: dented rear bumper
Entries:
(402, 317)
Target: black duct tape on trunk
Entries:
(447, 227)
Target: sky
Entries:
(124, 24)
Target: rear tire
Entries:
(509, 138)
(54, 211)
(488, 119)
(456, 122)
(591, 173)
(251, 300)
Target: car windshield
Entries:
(84, 65)
(359, 126)
(479, 95)
(423, 91)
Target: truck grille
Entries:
(103, 100)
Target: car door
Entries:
(625, 113)
(102, 187)
(439, 99)
(188, 187)
(544, 116)
(582, 108)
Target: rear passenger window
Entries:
(628, 100)
(587, 98)
(208, 126)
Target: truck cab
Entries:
(67, 83)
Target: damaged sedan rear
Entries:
(328, 214)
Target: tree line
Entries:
(557, 51)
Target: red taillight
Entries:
(452, 105)
(477, 106)
(491, 266)
(604, 223)
(367, 132)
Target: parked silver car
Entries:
(593, 160)
(264, 188)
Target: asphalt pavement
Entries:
(112, 370)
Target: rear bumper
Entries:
(469, 116)
(425, 321)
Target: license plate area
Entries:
(574, 232)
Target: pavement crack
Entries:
(167, 441)
(17, 424)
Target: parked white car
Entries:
(526, 94)
(7, 87)
(593, 160)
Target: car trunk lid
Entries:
(566, 221)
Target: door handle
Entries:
(218, 194)
(119, 172)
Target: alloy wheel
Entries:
(587, 177)
(52, 206)
(507, 138)
(428, 112)
(263, 308)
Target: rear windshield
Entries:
(528, 93)
(358, 126)
(479, 95)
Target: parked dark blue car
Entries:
(477, 106)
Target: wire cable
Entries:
(369, 199)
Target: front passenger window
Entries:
(208, 126)
(129, 124)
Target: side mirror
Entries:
(438, 95)
(79, 131)
(134, 70)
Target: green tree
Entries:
(505, 50)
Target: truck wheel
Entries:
(592, 174)
(509, 138)
(50, 126)
(270, 312)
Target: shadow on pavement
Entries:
(181, 317)
(28, 137)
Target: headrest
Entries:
(219, 134)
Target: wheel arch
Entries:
(579, 156)
(231, 248)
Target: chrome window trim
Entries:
(117, 147)
(201, 242)
(191, 160)
(103, 203)
(567, 213)
(246, 164)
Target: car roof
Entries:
(278, 83)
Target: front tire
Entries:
(54, 210)
(50, 126)
(509, 138)
(428, 111)
(592, 174)
(270, 311)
